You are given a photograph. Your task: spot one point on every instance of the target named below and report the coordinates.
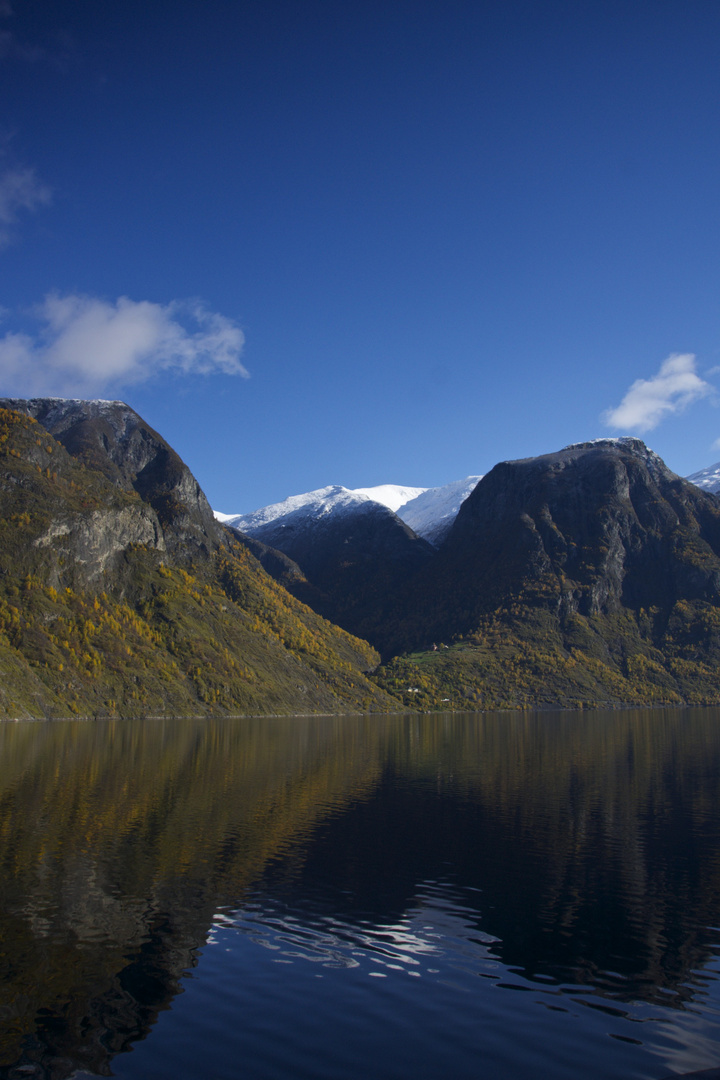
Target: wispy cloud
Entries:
(20, 190)
(84, 346)
(10, 46)
(648, 401)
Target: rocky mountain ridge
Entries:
(350, 549)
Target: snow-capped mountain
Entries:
(308, 507)
(429, 512)
(708, 479)
(332, 528)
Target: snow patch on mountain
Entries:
(708, 479)
(432, 513)
(391, 495)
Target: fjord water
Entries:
(497, 895)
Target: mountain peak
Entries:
(429, 512)
(628, 443)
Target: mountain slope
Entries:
(110, 438)
(432, 513)
(592, 574)
(120, 593)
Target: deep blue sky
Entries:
(450, 233)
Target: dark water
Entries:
(487, 896)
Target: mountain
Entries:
(120, 594)
(110, 438)
(590, 575)
(351, 550)
(708, 479)
(587, 575)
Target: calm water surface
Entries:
(489, 896)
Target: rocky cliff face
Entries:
(110, 437)
(607, 522)
(79, 524)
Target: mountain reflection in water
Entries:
(420, 866)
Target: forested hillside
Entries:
(120, 595)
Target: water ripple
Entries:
(438, 931)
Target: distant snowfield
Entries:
(427, 511)
(391, 495)
(708, 479)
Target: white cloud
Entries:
(648, 401)
(20, 190)
(83, 346)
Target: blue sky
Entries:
(362, 243)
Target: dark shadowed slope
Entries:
(591, 574)
(351, 550)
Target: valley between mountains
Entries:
(585, 577)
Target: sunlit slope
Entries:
(120, 594)
(591, 575)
